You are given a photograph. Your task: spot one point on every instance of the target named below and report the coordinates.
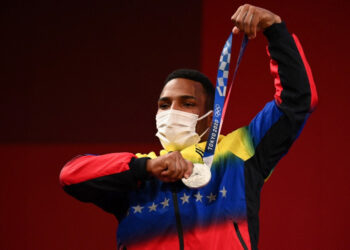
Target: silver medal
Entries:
(200, 176)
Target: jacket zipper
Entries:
(239, 235)
(178, 220)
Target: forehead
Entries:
(183, 87)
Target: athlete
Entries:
(155, 210)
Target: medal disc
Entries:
(200, 176)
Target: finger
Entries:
(179, 168)
(234, 17)
(264, 19)
(183, 166)
(189, 168)
(240, 18)
(254, 25)
(251, 28)
(247, 20)
(166, 174)
(235, 30)
(171, 164)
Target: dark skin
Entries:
(189, 96)
(251, 19)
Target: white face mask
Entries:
(177, 129)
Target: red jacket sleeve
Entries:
(103, 179)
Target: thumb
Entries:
(235, 30)
(189, 169)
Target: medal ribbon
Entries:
(220, 93)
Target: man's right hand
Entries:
(170, 167)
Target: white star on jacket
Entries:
(211, 197)
(165, 203)
(223, 192)
(153, 207)
(198, 196)
(185, 198)
(137, 209)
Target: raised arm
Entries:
(276, 127)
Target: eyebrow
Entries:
(165, 98)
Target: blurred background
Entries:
(84, 77)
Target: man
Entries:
(154, 208)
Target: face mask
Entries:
(177, 129)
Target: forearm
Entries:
(91, 178)
(294, 83)
(274, 129)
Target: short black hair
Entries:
(197, 76)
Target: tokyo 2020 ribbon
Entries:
(201, 174)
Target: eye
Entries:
(189, 104)
(163, 105)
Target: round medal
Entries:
(200, 176)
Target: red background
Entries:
(84, 78)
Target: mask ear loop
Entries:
(202, 117)
(205, 115)
(205, 131)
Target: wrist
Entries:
(149, 166)
(138, 167)
(275, 19)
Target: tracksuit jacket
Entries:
(224, 214)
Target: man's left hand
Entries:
(251, 19)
